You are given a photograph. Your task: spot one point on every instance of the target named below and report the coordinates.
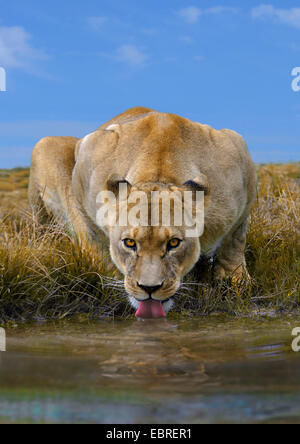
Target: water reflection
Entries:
(152, 371)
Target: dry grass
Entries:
(44, 274)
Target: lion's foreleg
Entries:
(230, 258)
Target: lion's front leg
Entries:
(230, 259)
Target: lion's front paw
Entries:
(219, 273)
(237, 276)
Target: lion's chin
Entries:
(147, 310)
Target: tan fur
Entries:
(151, 149)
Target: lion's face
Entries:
(153, 260)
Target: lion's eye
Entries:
(129, 243)
(173, 243)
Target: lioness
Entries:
(148, 150)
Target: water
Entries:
(213, 370)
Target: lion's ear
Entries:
(115, 128)
(199, 183)
(114, 184)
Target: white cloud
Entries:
(192, 13)
(149, 31)
(131, 55)
(287, 16)
(97, 23)
(15, 48)
(198, 58)
(186, 39)
(221, 10)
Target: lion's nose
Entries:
(150, 290)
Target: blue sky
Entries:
(71, 65)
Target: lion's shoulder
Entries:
(129, 115)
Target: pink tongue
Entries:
(150, 309)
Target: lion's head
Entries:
(153, 253)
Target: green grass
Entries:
(44, 274)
